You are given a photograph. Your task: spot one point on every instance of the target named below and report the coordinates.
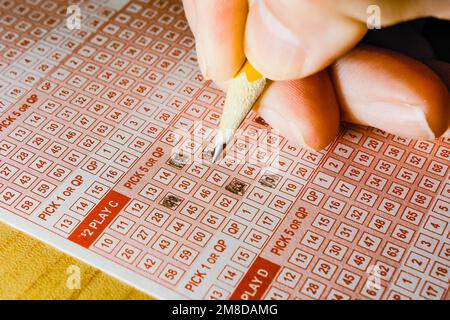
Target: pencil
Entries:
(243, 91)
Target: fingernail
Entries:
(398, 118)
(289, 129)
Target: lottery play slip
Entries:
(106, 134)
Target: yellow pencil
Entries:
(243, 91)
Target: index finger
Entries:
(218, 27)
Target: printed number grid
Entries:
(105, 137)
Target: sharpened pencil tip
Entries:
(218, 152)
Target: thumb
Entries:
(288, 40)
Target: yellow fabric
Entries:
(30, 269)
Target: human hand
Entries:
(320, 78)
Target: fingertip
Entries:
(387, 90)
(305, 111)
(441, 68)
(190, 12)
(288, 40)
(270, 46)
(219, 33)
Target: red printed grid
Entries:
(96, 112)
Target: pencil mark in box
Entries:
(178, 160)
(261, 121)
(171, 201)
(270, 180)
(237, 187)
